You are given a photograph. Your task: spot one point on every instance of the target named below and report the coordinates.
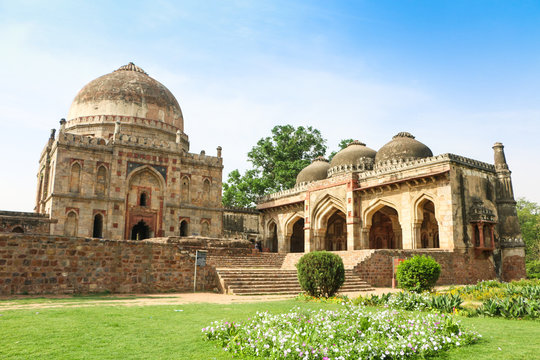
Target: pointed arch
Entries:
(206, 190)
(272, 235)
(417, 204)
(97, 229)
(324, 209)
(185, 183)
(184, 227)
(71, 224)
(151, 170)
(426, 223)
(101, 180)
(373, 208)
(75, 177)
(289, 223)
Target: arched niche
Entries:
(101, 181)
(185, 189)
(71, 224)
(75, 177)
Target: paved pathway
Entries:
(157, 299)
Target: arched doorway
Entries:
(297, 237)
(273, 240)
(183, 228)
(385, 231)
(98, 226)
(429, 228)
(140, 231)
(336, 232)
(17, 229)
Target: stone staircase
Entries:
(276, 282)
(272, 273)
(256, 260)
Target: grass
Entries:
(22, 300)
(160, 332)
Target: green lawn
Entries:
(160, 332)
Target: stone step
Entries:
(275, 281)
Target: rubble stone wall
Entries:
(51, 264)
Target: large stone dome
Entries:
(402, 147)
(127, 95)
(317, 170)
(356, 156)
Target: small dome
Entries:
(354, 154)
(317, 170)
(402, 147)
(127, 92)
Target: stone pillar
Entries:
(352, 217)
(178, 136)
(409, 230)
(364, 238)
(308, 236)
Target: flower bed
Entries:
(349, 333)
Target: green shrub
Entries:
(533, 269)
(320, 273)
(420, 273)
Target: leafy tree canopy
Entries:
(276, 160)
(529, 220)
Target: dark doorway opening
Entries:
(336, 233)
(18, 229)
(140, 231)
(98, 226)
(273, 238)
(142, 200)
(297, 237)
(184, 228)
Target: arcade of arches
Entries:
(336, 231)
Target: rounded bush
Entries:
(418, 274)
(320, 273)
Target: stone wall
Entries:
(241, 223)
(42, 264)
(24, 222)
(457, 267)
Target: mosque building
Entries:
(399, 197)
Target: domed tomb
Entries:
(143, 105)
(317, 170)
(355, 157)
(403, 147)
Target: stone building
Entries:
(120, 166)
(399, 197)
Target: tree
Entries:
(529, 221)
(342, 145)
(276, 161)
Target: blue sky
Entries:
(459, 75)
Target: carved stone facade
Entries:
(120, 167)
(401, 197)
